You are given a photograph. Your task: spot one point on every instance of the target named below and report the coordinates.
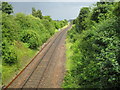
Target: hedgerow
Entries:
(96, 50)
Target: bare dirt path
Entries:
(48, 67)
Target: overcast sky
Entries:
(57, 10)
(51, 0)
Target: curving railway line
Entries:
(46, 69)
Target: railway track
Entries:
(44, 69)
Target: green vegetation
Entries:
(37, 13)
(22, 36)
(94, 50)
(7, 8)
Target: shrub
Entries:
(32, 38)
(48, 26)
(10, 29)
(8, 53)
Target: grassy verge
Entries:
(24, 55)
(0, 73)
(69, 65)
(68, 78)
(68, 55)
(65, 26)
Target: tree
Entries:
(33, 11)
(7, 8)
(37, 13)
(48, 18)
(117, 9)
(101, 11)
(80, 22)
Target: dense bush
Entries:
(10, 28)
(48, 26)
(6, 8)
(80, 21)
(60, 24)
(32, 38)
(8, 53)
(96, 50)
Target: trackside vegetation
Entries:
(22, 36)
(93, 48)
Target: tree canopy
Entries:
(37, 13)
(7, 8)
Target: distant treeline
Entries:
(95, 39)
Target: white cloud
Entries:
(51, 0)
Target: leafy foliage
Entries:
(22, 36)
(81, 24)
(60, 24)
(32, 30)
(96, 49)
(6, 8)
(8, 53)
(10, 28)
(32, 38)
(37, 13)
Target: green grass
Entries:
(0, 73)
(68, 79)
(69, 53)
(56, 30)
(65, 26)
(24, 55)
